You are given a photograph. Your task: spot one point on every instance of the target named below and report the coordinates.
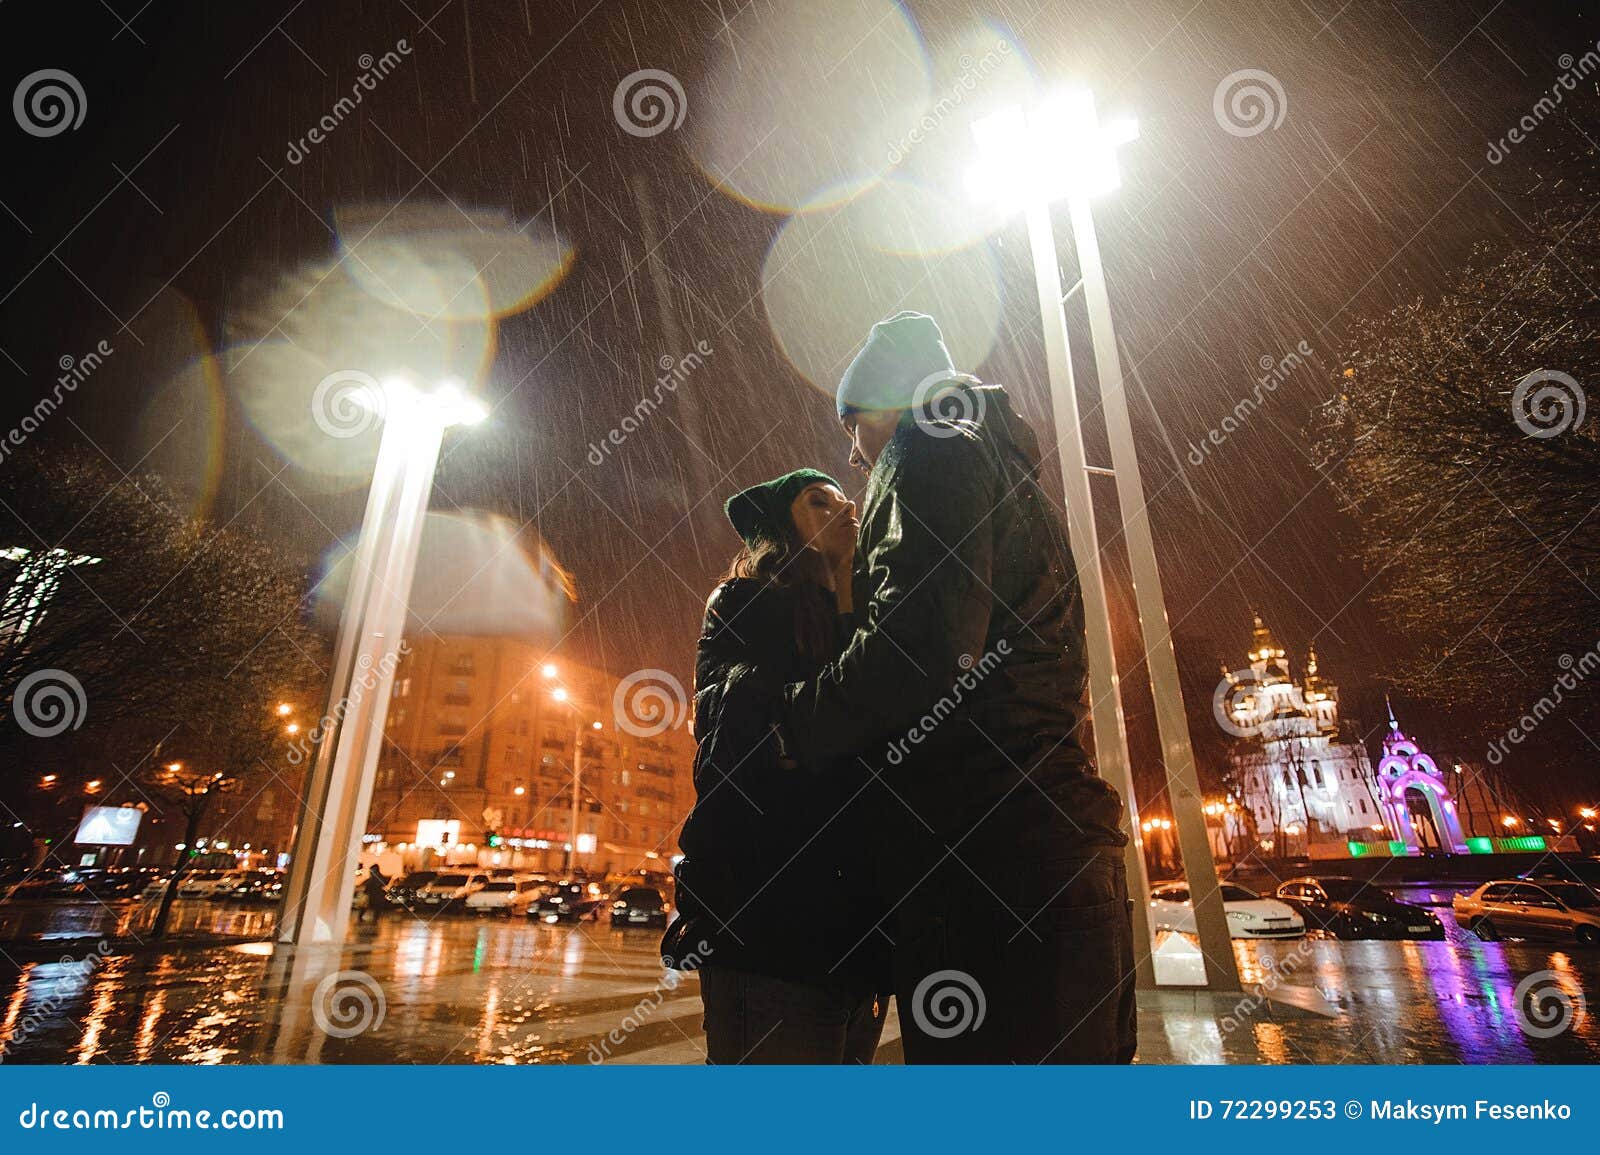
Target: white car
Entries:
(505, 896)
(1249, 914)
(452, 886)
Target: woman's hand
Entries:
(843, 575)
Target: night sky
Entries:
(174, 217)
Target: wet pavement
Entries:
(453, 988)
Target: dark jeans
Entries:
(753, 1018)
(1031, 965)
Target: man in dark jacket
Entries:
(963, 690)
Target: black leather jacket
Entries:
(776, 876)
(965, 683)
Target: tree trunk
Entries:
(191, 831)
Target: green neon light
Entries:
(1525, 842)
(1397, 848)
(1480, 846)
(1357, 849)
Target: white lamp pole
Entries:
(1105, 695)
(1172, 723)
(1063, 151)
(333, 814)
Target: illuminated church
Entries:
(1301, 783)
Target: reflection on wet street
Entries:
(50, 921)
(460, 989)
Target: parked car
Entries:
(258, 886)
(639, 906)
(452, 887)
(156, 887)
(114, 885)
(1249, 914)
(209, 883)
(1349, 908)
(568, 900)
(506, 896)
(404, 892)
(1546, 909)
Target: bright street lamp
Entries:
(1028, 159)
(338, 793)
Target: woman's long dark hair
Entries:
(800, 573)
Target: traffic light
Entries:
(493, 839)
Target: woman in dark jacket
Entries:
(777, 907)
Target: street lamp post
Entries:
(333, 813)
(561, 694)
(1029, 161)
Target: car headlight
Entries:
(1241, 915)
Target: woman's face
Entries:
(825, 519)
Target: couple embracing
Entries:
(893, 794)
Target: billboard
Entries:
(109, 826)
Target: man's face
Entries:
(869, 431)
